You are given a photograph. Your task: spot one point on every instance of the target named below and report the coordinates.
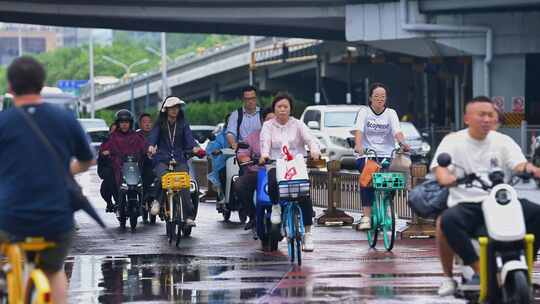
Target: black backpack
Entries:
(241, 116)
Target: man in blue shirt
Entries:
(245, 120)
(34, 200)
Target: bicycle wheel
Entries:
(171, 223)
(297, 233)
(178, 217)
(291, 249)
(372, 234)
(388, 221)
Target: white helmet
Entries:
(170, 102)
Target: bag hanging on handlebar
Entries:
(291, 169)
(428, 199)
(366, 176)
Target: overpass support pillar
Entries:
(508, 76)
(214, 93)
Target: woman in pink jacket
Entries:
(285, 130)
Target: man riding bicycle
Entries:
(34, 200)
(169, 140)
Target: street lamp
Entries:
(156, 52)
(126, 67)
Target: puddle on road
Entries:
(144, 278)
(176, 278)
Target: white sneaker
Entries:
(154, 210)
(190, 222)
(365, 223)
(275, 217)
(307, 244)
(447, 288)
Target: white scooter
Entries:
(505, 250)
(229, 201)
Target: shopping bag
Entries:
(366, 176)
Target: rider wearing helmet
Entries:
(123, 141)
(169, 139)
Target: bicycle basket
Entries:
(389, 181)
(175, 181)
(293, 189)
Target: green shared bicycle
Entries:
(383, 216)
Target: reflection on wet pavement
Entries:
(143, 278)
(176, 278)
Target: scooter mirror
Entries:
(243, 145)
(444, 160)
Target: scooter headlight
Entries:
(425, 148)
(124, 186)
(503, 197)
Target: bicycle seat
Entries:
(31, 244)
(35, 244)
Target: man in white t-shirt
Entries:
(477, 149)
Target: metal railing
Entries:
(346, 184)
(348, 197)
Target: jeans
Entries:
(367, 194)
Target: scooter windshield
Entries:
(131, 173)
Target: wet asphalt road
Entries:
(221, 263)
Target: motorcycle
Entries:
(269, 234)
(148, 198)
(130, 195)
(229, 199)
(505, 251)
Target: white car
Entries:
(332, 125)
(97, 130)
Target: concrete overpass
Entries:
(206, 77)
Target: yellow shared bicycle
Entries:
(20, 280)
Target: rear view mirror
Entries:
(444, 160)
(313, 125)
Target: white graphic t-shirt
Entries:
(378, 130)
(497, 150)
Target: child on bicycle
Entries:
(377, 129)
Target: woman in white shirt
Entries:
(378, 129)
(285, 130)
